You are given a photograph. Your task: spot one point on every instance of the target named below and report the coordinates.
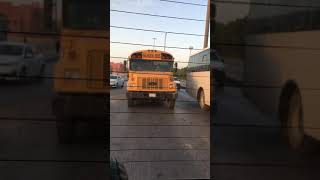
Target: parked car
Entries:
(20, 61)
(116, 81)
(177, 81)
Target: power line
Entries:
(52, 35)
(159, 125)
(125, 99)
(225, 84)
(224, 125)
(161, 161)
(158, 31)
(118, 57)
(185, 3)
(155, 15)
(271, 164)
(142, 112)
(161, 149)
(53, 161)
(150, 45)
(157, 137)
(265, 46)
(265, 4)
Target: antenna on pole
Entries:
(154, 42)
(190, 48)
(165, 41)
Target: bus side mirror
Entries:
(125, 66)
(175, 67)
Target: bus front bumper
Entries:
(152, 95)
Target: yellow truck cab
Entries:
(151, 77)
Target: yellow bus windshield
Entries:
(85, 14)
(151, 65)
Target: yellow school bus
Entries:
(81, 73)
(151, 77)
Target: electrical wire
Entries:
(155, 15)
(264, 4)
(51, 34)
(150, 45)
(157, 31)
(184, 3)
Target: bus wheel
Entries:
(201, 100)
(171, 103)
(294, 130)
(118, 170)
(65, 130)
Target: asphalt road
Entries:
(157, 143)
(29, 148)
(242, 152)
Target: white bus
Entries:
(282, 59)
(198, 77)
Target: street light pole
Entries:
(165, 41)
(206, 31)
(190, 48)
(154, 42)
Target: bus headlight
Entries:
(170, 86)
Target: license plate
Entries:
(152, 95)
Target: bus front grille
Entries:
(151, 83)
(97, 69)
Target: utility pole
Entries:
(165, 41)
(154, 42)
(190, 48)
(206, 32)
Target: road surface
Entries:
(242, 152)
(157, 143)
(28, 141)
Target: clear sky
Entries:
(156, 23)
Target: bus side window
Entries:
(204, 58)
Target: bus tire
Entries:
(296, 138)
(171, 103)
(118, 171)
(201, 100)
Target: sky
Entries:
(156, 23)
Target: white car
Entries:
(177, 81)
(116, 81)
(19, 61)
